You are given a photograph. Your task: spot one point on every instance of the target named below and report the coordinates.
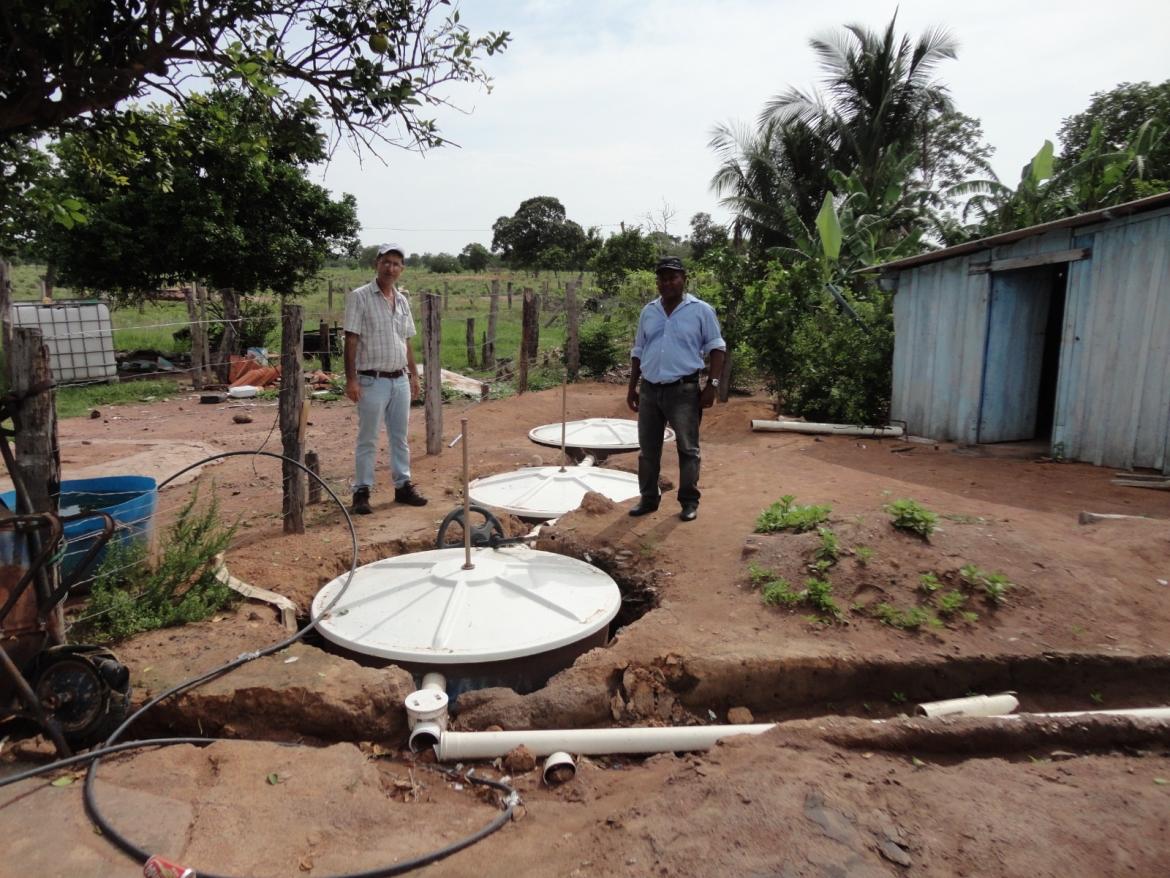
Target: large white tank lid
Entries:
(549, 492)
(602, 434)
(425, 608)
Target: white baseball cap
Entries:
(383, 249)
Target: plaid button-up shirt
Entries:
(384, 332)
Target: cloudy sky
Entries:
(609, 105)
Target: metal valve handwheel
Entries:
(487, 532)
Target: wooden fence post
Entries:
(489, 348)
(190, 294)
(324, 345)
(534, 335)
(572, 334)
(231, 335)
(529, 318)
(509, 295)
(204, 335)
(292, 415)
(313, 464)
(38, 457)
(432, 320)
(6, 309)
(471, 342)
(545, 302)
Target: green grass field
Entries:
(467, 296)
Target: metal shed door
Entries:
(1016, 322)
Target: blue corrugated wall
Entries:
(1113, 387)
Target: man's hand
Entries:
(707, 397)
(415, 388)
(353, 389)
(632, 398)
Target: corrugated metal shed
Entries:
(1060, 331)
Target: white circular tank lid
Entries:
(547, 492)
(603, 434)
(426, 608)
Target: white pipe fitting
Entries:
(426, 712)
(973, 705)
(424, 736)
(559, 768)
(590, 742)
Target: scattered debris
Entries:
(242, 418)
(1142, 480)
(1095, 517)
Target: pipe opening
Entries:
(425, 736)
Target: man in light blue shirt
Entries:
(675, 332)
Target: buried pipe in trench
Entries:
(456, 746)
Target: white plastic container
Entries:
(244, 391)
(79, 336)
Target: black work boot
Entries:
(409, 495)
(361, 502)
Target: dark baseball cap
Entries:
(669, 263)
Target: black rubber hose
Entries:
(110, 745)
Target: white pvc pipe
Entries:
(434, 680)
(1134, 712)
(972, 705)
(834, 429)
(455, 746)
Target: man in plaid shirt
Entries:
(380, 376)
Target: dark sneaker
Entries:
(361, 502)
(644, 507)
(690, 511)
(409, 495)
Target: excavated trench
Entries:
(703, 688)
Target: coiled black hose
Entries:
(111, 746)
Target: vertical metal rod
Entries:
(467, 565)
(564, 417)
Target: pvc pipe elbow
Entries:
(424, 736)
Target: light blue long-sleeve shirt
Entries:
(673, 347)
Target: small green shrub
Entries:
(597, 347)
(994, 586)
(907, 620)
(830, 548)
(130, 596)
(929, 583)
(864, 555)
(818, 594)
(782, 515)
(778, 593)
(950, 603)
(911, 516)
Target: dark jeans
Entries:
(677, 405)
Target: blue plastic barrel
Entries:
(130, 500)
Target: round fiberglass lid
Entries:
(547, 492)
(603, 434)
(426, 608)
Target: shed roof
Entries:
(1141, 205)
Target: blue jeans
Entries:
(679, 406)
(382, 399)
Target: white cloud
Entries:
(609, 106)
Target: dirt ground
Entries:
(1083, 625)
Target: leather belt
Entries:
(686, 379)
(374, 373)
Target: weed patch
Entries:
(994, 586)
(783, 515)
(913, 517)
(130, 596)
(911, 619)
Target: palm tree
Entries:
(882, 120)
(880, 97)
